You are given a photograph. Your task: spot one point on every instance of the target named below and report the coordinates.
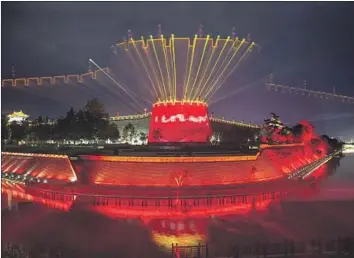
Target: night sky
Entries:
(299, 40)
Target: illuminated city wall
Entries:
(37, 166)
(179, 122)
(271, 163)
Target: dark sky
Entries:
(300, 40)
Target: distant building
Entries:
(17, 117)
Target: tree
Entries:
(83, 129)
(95, 118)
(91, 123)
(18, 131)
(111, 132)
(129, 132)
(297, 129)
(332, 142)
(66, 127)
(4, 128)
(40, 130)
(274, 131)
(96, 109)
(143, 137)
(59, 130)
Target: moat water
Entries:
(325, 212)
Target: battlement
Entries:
(51, 80)
(130, 117)
(233, 122)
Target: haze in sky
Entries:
(311, 41)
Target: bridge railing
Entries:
(316, 248)
(245, 202)
(340, 247)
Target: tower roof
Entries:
(17, 114)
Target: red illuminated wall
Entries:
(43, 166)
(179, 122)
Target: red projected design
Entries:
(179, 122)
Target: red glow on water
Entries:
(19, 192)
(163, 212)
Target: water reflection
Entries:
(90, 231)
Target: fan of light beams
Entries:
(174, 68)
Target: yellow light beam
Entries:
(200, 86)
(143, 63)
(163, 42)
(158, 63)
(170, 65)
(222, 65)
(190, 67)
(232, 70)
(139, 67)
(237, 64)
(235, 67)
(216, 62)
(186, 73)
(152, 66)
(217, 79)
(200, 64)
(174, 67)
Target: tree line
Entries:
(90, 123)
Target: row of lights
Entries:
(313, 166)
(172, 102)
(234, 122)
(52, 80)
(306, 170)
(115, 118)
(151, 38)
(35, 155)
(310, 93)
(23, 178)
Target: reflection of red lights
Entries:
(171, 226)
(163, 212)
(19, 192)
(184, 231)
(179, 122)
